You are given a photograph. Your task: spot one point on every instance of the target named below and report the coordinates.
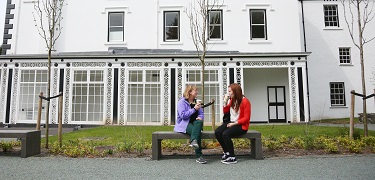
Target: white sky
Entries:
(2, 18)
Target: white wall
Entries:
(85, 26)
(3, 6)
(324, 67)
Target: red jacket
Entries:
(245, 113)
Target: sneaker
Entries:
(225, 156)
(230, 160)
(194, 144)
(201, 160)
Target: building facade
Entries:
(125, 62)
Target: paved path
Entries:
(332, 167)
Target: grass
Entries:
(114, 135)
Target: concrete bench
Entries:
(30, 140)
(157, 137)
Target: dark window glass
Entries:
(258, 25)
(215, 24)
(172, 26)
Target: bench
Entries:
(157, 137)
(30, 140)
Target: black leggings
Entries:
(224, 134)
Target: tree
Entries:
(47, 18)
(358, 14)
(198, 13)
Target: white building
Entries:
(127, 62)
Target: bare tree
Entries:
(47, 18)
(358, 14)
(198, 13)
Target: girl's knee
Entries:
(198, 122)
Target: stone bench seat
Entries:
(254, 136)
(30, 140)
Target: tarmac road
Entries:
(185, 167)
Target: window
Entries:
(88, 96)
(32, 82)
(344, 54)
(116, 27)
(211, 89)
(215, 23)
(337, 94)
(258, 24)
(172, 26)
(144, 97)
(331, 18)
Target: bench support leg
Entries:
(156, 147)
(256, 148)
(31, 144)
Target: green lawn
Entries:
(113, 135)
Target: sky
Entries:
(2, 18)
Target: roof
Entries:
(153, 53)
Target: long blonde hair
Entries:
(188, 89)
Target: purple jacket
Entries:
(184, 111)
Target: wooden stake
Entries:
(351, 129)
(39, 111)
(60, 119)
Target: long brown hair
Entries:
(236, 96)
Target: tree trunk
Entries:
(362, 68)
(48, 95)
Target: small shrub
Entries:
(139, 147)
(6, 145)
(167, 144)
(308, 142)
(331, 146)
(128, 146)
(355, 146)
(343, 141)
(297, 142)
(272, 144)
(319, 142)
(283, 139)
(241, 143)
(55, 148)
(369, 141)
(215, 144)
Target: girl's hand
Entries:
(231, 124)
(198, 118)
(197, 106)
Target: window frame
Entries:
(165, 27)
(342, 56)
(331, 16)
(109, 26)
(342, 95)
(264, 24)
(221, 24)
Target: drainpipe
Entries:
(18, 22)
(307, 72)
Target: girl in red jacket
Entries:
(239, 108)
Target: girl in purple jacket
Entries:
(190, 120)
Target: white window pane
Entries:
(116, 36)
